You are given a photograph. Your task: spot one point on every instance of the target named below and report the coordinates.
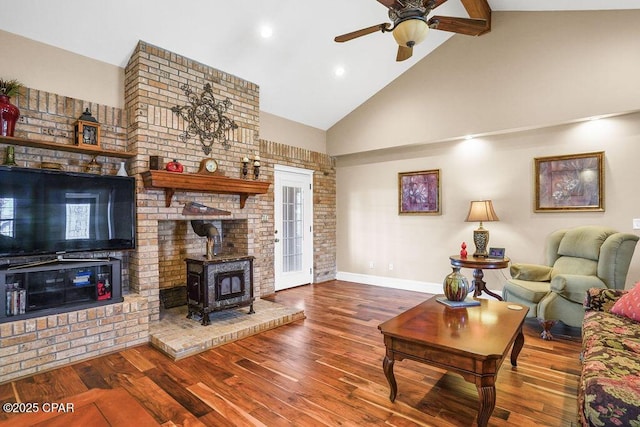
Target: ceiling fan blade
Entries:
(363, 32)
(391, 4)
(436, 3)
(466, 26)
(404, 53)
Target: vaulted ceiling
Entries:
(295, 67)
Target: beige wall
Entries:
(533, 69)
(41, 66)
(275, 128)
(523, 86)
(499, 168)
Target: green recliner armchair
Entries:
(576, 259)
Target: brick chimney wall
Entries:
(153, 85)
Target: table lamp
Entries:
(481, 210)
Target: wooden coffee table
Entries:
(471, 341)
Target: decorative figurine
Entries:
(175, 166)
(463, 252)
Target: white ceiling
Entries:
(294, 68)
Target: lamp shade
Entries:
(481, 210)
(410, 32)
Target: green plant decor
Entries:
(10, 88)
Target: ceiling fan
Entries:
(410, 23)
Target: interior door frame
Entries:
(309, 244)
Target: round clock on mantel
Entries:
(208, 165)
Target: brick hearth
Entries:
(179, 337)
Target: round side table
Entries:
(478, 264)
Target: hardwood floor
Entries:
(324, 370)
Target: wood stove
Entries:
(219, 283)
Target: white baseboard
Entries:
(393, 283)
(390, 282)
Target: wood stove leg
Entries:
(251, 310)
(190, 312)
(205, 317)
(546, 329)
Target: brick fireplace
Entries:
(153, 85)
(148, 127)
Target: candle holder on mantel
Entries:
(256, 167)
(245, 166)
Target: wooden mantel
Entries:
(203, 183)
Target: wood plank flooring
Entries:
(324, 370)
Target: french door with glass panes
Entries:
(293, 234)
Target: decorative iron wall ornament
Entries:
(205, 118)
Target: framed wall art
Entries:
(496, 252)
(570, 183)
(419, 192)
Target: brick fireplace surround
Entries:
(147, 126)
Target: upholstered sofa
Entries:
(609, 388)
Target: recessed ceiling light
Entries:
(339, 71)
(266, 31)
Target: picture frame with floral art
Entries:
(570, 183)
(419, 193)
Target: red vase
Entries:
(9, 115)
(174, 166)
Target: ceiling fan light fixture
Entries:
(410, 32)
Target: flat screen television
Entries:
(48, 212)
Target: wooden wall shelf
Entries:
(64, 147)
(195, 182)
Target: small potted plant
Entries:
(9, 113)
(10, 87)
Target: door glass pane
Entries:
(293, 223)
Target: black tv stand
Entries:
(59, 258)
(49, 287)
